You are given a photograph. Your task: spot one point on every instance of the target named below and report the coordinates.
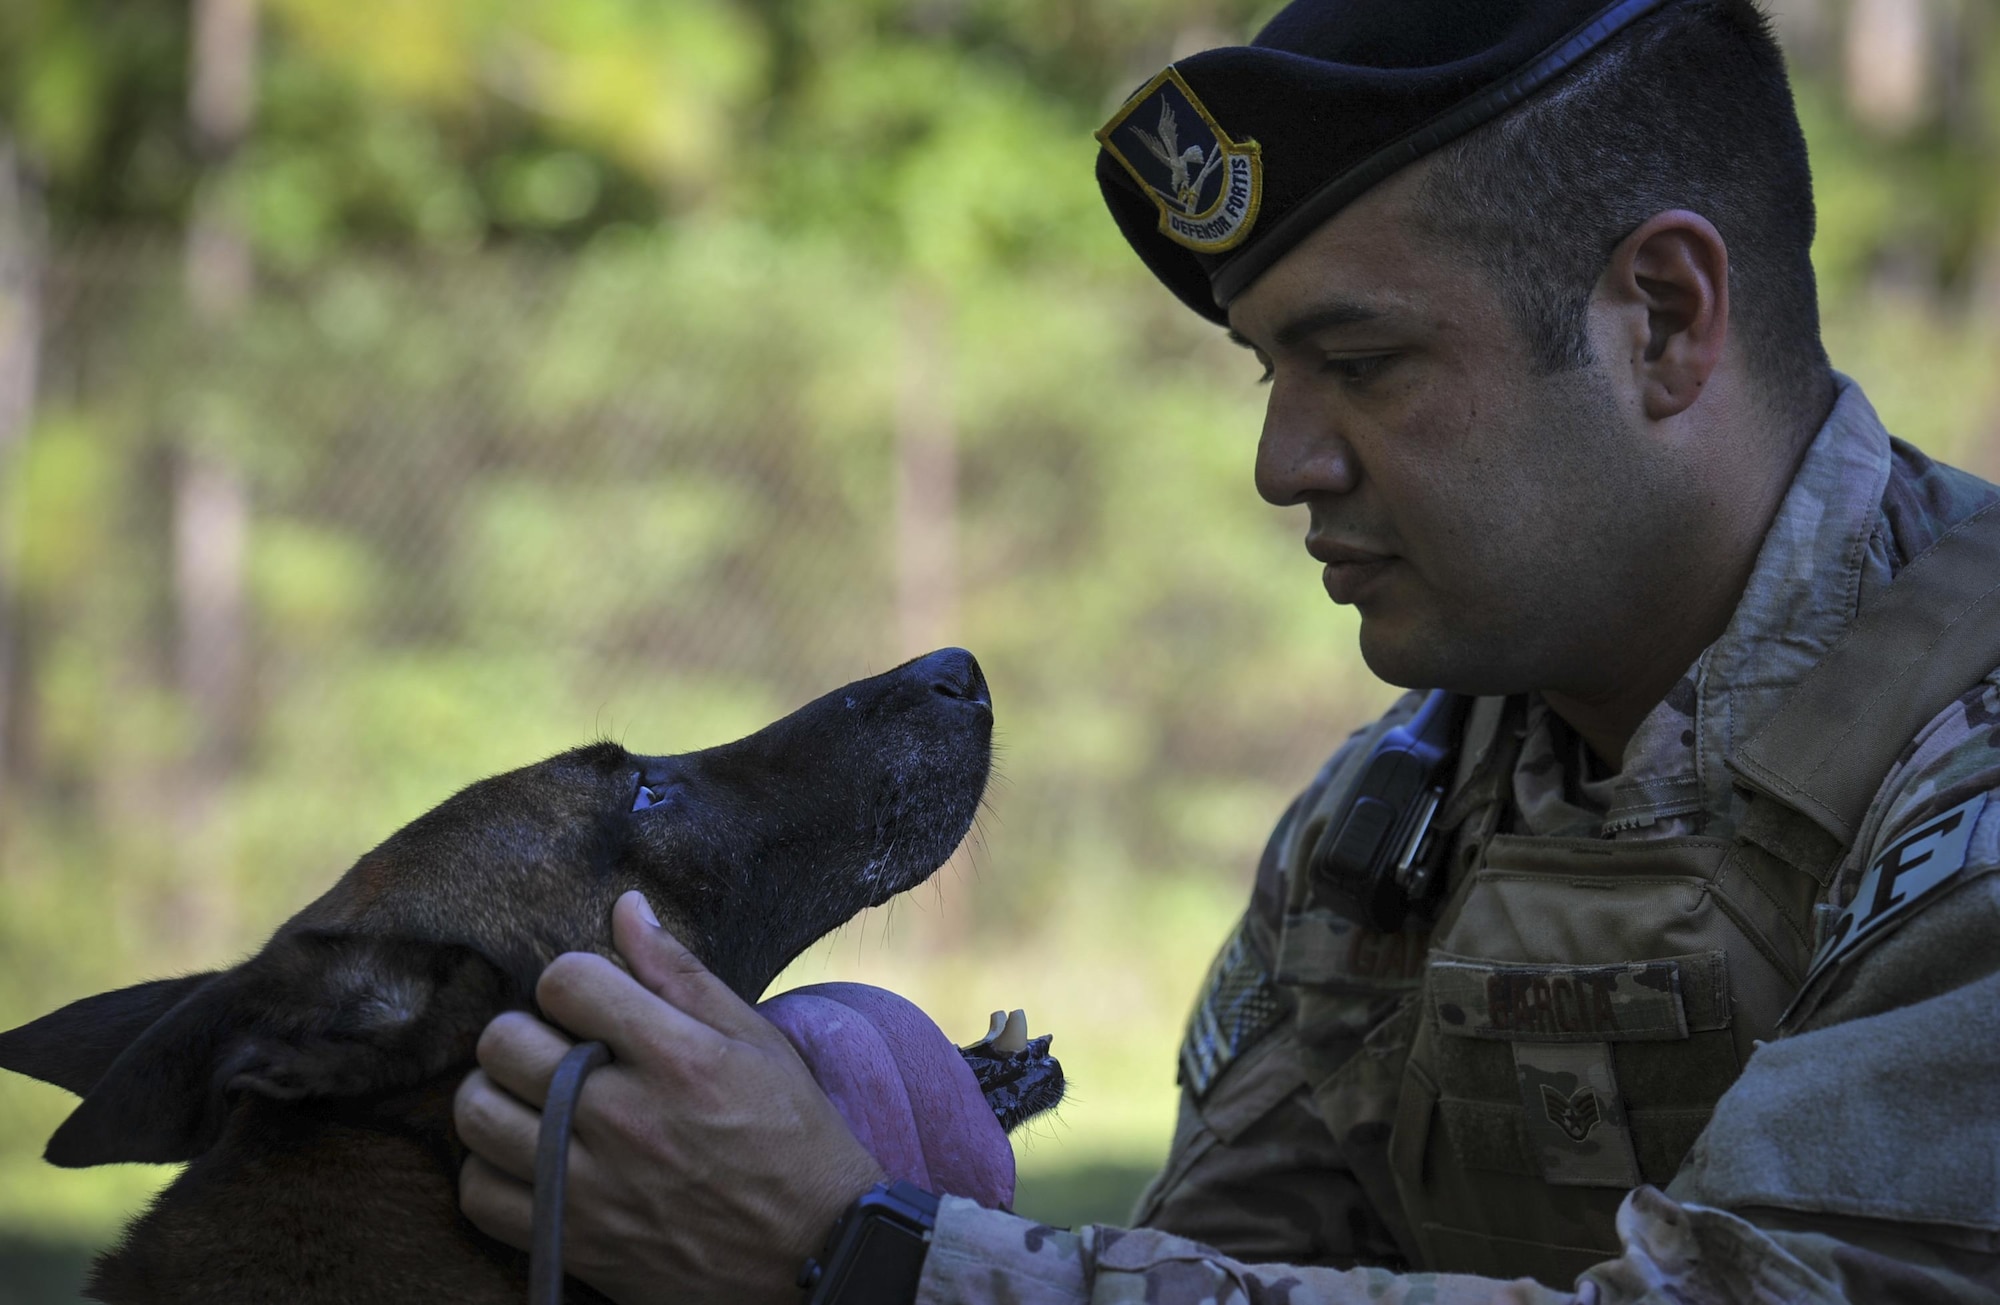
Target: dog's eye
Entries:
(653, 793)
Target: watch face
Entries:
(886, 1262)
(876, 1254)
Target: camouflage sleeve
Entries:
(990, 1257)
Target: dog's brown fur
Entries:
(309, 1088)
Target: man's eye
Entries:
(1357, 371)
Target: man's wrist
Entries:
(875, 1253)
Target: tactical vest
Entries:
(1563, 1033)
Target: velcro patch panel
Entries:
(1324, 949)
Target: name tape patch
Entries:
(1206, 186)
(1640, 1001)
(1909, 871)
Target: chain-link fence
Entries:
(285, 577)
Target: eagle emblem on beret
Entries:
(1206, 186)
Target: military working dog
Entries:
(309, 1088)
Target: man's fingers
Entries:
(672, 972)
(593, 999)
(520, 1053)
(498, 1206)
(497, 1127)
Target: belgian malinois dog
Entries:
(309, 1089)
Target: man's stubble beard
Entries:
(1542, 585)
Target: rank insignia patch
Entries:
(1577, 1132)
(1574, 1115)
(1206, 186)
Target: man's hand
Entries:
(705, 1165)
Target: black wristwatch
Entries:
(875, 1254)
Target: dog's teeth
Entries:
(647, 797)
(1013, 1035)
(1006, 1033)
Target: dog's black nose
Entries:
(954, 673)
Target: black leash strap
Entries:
(545, 1268)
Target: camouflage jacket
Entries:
(1856, 1158)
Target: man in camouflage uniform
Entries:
(1707, 1009)
(1854, 1159)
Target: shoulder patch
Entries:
(1238, 1004)
(1909, 871)
(1206, 186)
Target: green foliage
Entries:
(83, 86)
(503, 504)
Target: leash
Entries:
(545, 1270)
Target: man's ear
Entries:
(312, 1015)
(1669, 280)
(72, 1047)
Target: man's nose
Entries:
(1302, 453)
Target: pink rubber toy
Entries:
(901, 1086)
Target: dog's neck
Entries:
(302, 1204)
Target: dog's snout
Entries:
(955, 673)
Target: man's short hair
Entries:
(1689, 108)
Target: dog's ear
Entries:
(72, 1047)
(312, 1015)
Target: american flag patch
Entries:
(1238, 1004)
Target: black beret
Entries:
(1227, 159)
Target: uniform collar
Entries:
(1802, 593)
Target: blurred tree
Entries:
(210, 500)
(22, 240)
(93, 93)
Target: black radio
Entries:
(1378, 860)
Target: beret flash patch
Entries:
(1206, 186)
